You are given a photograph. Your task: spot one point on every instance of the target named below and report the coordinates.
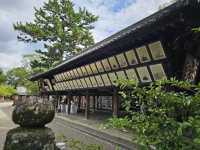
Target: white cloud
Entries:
(109, 22)
(11, 53)
(11, 11)
(8, 60)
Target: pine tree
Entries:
(62, 29)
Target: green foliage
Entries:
(78, 145)
(6, 90)
(2, 77)
(196, 29)
(119, 123)
(34, 63)
(19, 77)
(62, 29)
(32, 87)
(169, 115)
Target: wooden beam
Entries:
(115, 103)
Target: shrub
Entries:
(119, 123)
(75, 144)
(169, 116)
(6, 90)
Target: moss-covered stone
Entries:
(30, 139)
(33, 114)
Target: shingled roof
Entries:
(156, 17)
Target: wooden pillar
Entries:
(98, 104)
(57, 103)
(60, 104)
(100, 101)
(87, 106)
(94, 103)
(20, 98)
(69, 103)
(79, 103)
(115, 103)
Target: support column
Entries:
(100, 101)
(98, 104)
(79, 103)
(19, 98)
(69, 104)
(94, 103)
(57, 104)
(115, 103)
(87, 107)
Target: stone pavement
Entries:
(5, 121)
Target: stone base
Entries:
(30, 139)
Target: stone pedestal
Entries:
(32, 116)
(30, 139)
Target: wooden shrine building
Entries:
(162, 45)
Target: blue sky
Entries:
(114, 15)
(121, 4)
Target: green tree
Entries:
(34, 63)
(19, 77)
(2, 77)
(6, 90)
(61, 28)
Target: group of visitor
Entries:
(63, 107)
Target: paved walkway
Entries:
(96, 122)
(76, 129)
(109, 138)
(5, 121)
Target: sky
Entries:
(114, 15)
